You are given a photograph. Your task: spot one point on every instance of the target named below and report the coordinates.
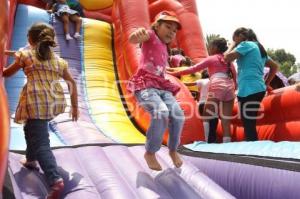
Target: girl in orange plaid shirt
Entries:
(42, 99)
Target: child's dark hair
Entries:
(177, 51)
(42, 35)
(204, 74)
(250, 36)
(220, 43)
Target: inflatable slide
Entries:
(101, 155)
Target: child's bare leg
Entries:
(210, 113)
(78, 24)
(152, 161)
(176, 158)
(65, 20)
(226, 119)
(77, 19)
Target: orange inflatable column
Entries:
(127, 15)
(132, 14)
(190, 6)
(4, 114)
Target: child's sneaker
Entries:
(77, 35)
(32, 165)
(56, 189)
(68, 37)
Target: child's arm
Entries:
(192, 69)
(12, 68)
(50, 8)
(10, 52)
(273, 70)
(190, 83)
(140, 35)
(234, 75)
(73, 92)
(230, 55)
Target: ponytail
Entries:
(252, 37)
(46, 40)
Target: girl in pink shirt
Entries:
(155, 93)
(221, 87)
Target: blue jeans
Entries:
(38, 148)
(165, 112)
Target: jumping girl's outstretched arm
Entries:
(140, 35)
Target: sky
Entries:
(274, 21)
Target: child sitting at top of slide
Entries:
(65, 13)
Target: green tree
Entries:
(287, 61)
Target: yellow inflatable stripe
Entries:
(103, 96)
(96, 4)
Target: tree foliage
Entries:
(287, 61)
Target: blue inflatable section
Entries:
(25, 17)
(259, 148)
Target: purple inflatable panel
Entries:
(115, 172)
(250, 181)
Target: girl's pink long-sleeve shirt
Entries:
(214, 64)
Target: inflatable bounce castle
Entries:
(101, 155)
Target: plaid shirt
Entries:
(42, 96)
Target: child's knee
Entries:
(162, 114)
(178, 115)
(177, 111)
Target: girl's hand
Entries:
(142, 34)
(172, 73)
(269, 90)
(170, 69)
(138, 36)
(10, 52)
(74, 113)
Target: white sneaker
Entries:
(68, 37)
(77, 35)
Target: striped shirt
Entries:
(42, 96)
